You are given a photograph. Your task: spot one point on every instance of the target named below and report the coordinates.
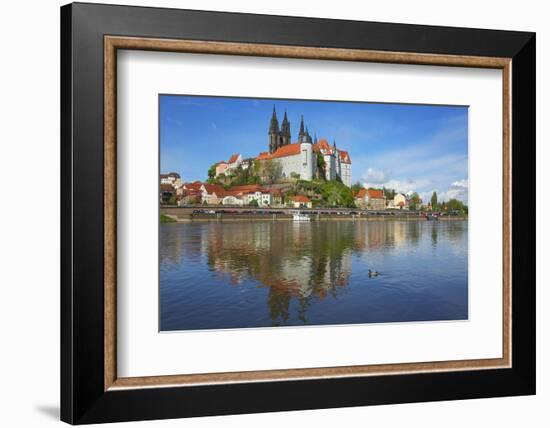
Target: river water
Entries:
(284, 273)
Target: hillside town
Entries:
(175, 192)
(308, 173)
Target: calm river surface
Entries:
(263, 274)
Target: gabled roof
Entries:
(361, 193)
(213, 188)
(167, 188)
(344, 156)
(247, 188)
(299, 198)
(323, 146)
(288, 150)
(375, 193)
(195, 185)
(233, 158)
(191, 192)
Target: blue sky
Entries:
(407, 147)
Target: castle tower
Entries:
(274, 135)
(285, 131)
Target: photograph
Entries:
(290, 212)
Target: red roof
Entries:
(344, 156)
(323, 144)
(167, 188)
(195, 185)
(361, 193)
(299, 198)
(232, 193)
(214, 188)
(281, 152)
(190, 192)
(376, 194)
(247, 187)
(233, 158)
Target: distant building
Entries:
(167, 192)
(189, 197)
(171, 178)
(212, 194)
(400, 201)
(361, 198)
(376, 199)
(225, 167)
(299, 201)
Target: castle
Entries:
(301, 158)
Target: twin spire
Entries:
(279, 137)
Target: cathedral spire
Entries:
(285, 131)
(302, 136)
(274, 134)
(315, 137)
(274, 124)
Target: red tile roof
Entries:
(233, 158)
(299, 198)
(361, 193)
(376, 194)
(195, 186)
(213, 188)
(323, 144)
(167, 188)
(288, 150)
(190, 192)
(344, 156)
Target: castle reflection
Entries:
(305, 262)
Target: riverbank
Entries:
(178, 216)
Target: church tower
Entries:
(302, 133)
(274, 135)
(285, 131)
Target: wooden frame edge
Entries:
(109, 198)
(112, 43)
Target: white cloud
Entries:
(375, 176)
(457, 190)
(460, 184)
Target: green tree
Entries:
(356, 187)
(272, 171)
(454, 205)
(414, 202)
(388, 193)
(433, 200)
(321, 166)
(253, 203)
(212, 171)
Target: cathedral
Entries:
(301, 158)
(279, 138)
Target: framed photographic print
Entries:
(264, 213)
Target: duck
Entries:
(373, 273)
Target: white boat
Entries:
(297, 216)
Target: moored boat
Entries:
(298, 216)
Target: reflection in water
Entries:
(234, 275)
